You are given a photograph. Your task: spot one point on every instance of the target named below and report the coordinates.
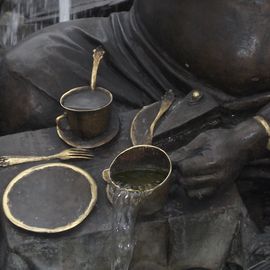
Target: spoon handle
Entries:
(166, 103)
(98, 54)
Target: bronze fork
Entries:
(72, 153)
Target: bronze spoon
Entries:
(166, 103)
(98, 54)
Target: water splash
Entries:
(10, 36)
(23, 17)
(64, 10)
(19, 18)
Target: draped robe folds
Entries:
(35, 74)
(40, 69)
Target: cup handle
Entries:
(106, 175)
(59, 118)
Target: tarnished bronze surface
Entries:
(183, 45)
(142, 156)
(165, 104)
(34, 202)
(224, 43)
(67, 135)
(88, 123)
(185, 119)
(266, 126)
(160, 237)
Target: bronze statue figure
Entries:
(220, 47)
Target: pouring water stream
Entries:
(126, 205)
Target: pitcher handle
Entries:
(106, 175)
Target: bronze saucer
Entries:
(65, 133)
(50, 198)
(142, 122)
(187, 117)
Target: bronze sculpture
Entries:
(220, 47)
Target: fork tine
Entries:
(79, 150)
(80, 157)
(80, 153)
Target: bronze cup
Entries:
(142, 157)
(88, 111)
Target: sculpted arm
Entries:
(215, 158)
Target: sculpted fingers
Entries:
(200, 173)
(198, 142)
(202, 181)
(189, 150)
(180, 154)
(198, 165)
(210, 161)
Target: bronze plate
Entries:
(65, 133)
(50, 198)
(142, 122)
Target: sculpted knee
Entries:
(22, 105)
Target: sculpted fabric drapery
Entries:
(39, 70)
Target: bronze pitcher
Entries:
(142, 156)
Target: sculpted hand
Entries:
(215, 158)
